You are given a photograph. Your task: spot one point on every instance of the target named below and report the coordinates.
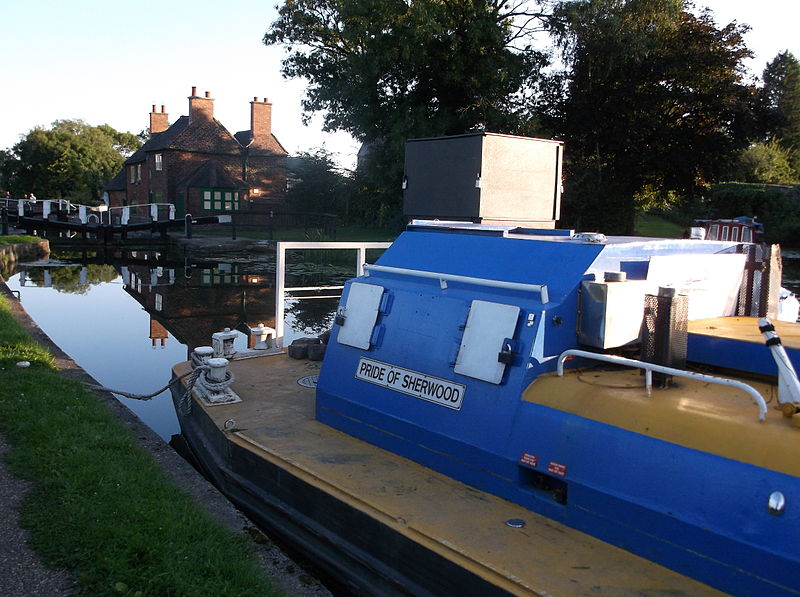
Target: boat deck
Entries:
(727, 342)
(275, 422)
(745, 329)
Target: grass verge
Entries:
(652, 225)
(101, 508)
(12, 239)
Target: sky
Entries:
(108, 62)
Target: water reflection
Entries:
(127, 322)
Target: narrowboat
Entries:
(742, 228)
(505, 410)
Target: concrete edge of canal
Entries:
(286, 575)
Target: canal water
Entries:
(127, 319)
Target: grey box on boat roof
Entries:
(484, 178)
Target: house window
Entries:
(712, 235)
(133, 174)
(159, 163)
(158, 197)
(219, 200)
(225, 275)
(724, 233)
(734, 234)
(747, 235)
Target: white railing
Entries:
(102, 214)
(650, 367)
(280, 272)
(540, 289)
(154, 210)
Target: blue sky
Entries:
(106, 61)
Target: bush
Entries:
(776, 206)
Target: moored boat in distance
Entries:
(516, 411)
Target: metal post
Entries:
(233, 227)
(188, 225)
(361, 259)
(4, 220)
(280, 284)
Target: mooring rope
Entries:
(185, 402)
(139, 396)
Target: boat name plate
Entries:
(433, 389)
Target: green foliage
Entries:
(318, 185)
(776, 206)
(101, 508)
(767, 163)
(387, 71)
(655, 105)
(12, 239)
(780, 98)
(70, 160)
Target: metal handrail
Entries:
(280, 272)
(539, 288)
(650, 367)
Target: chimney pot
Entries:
(208, 94)
(261, 123)
(194, 91)
(158, 122)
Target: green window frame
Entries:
(222, 276)
(220, 199)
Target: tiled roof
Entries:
(117, 183)
(273, 146)
(209, 174)
(208, 136)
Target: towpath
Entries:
(21, 571)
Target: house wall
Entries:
(262, 164)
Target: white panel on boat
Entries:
(488, 325)
(361, 312)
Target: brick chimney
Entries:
(159, 121)
(200, 108)
(261, 123)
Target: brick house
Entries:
(199, 166)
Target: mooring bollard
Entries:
(188, 225)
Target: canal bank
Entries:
(287, 576)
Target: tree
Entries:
(656, 105)
(390, 70)
(767, 163)
(70, 160)
(780, 97)
(780, 106)
(317, 184)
